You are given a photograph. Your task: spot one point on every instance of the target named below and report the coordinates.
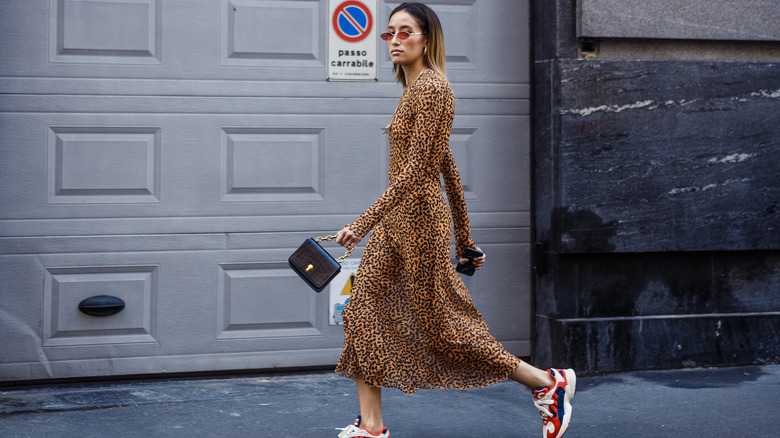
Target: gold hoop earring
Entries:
(425, 50)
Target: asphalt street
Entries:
(721, 402)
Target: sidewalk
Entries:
(725, 402)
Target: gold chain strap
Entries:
(333, 237)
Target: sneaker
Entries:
(554, 403)
(353, 431)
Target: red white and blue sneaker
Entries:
(354, 431)
(554, 403)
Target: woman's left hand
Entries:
(478, 262)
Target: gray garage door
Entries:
(173, 153)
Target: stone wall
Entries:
(657, 184)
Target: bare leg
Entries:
(370, 399)
(532, 377)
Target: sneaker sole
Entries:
(571, 385)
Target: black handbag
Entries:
(314, 265)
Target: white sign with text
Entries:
(352, 43)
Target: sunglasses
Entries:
(402, 35)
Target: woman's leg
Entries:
(370, 398)
(532, 377)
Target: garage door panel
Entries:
(65, 288)
(272, 164)
(261, 33)
(483, 144)
(103, 165)
(477, 59)
(455, 16)
(105, 32)
(263, 300)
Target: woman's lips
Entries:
(395, 52)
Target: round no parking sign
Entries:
(352, 21)
(352, 52)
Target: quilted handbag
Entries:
(314, 265)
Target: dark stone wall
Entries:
(680, 19)
(668, 156)
(610, 312)
(657, 186)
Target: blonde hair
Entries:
(429, 23)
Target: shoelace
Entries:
(542, 404)
(348, 431)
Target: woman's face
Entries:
(410, 50)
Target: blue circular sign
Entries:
(352, 21)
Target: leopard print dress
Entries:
(411, 322)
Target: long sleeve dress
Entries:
(410, 322)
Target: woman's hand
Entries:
(347, 238)
(478, 262)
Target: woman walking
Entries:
(410, 322)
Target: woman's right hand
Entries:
(479, 262)
(347, 238)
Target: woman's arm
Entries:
(460, 214)
(457, 201)
(430, 108)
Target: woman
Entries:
(410, 322)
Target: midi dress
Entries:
(411, 322)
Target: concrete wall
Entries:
(657, 137)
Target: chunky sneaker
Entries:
(353, 431)
(554, 403)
